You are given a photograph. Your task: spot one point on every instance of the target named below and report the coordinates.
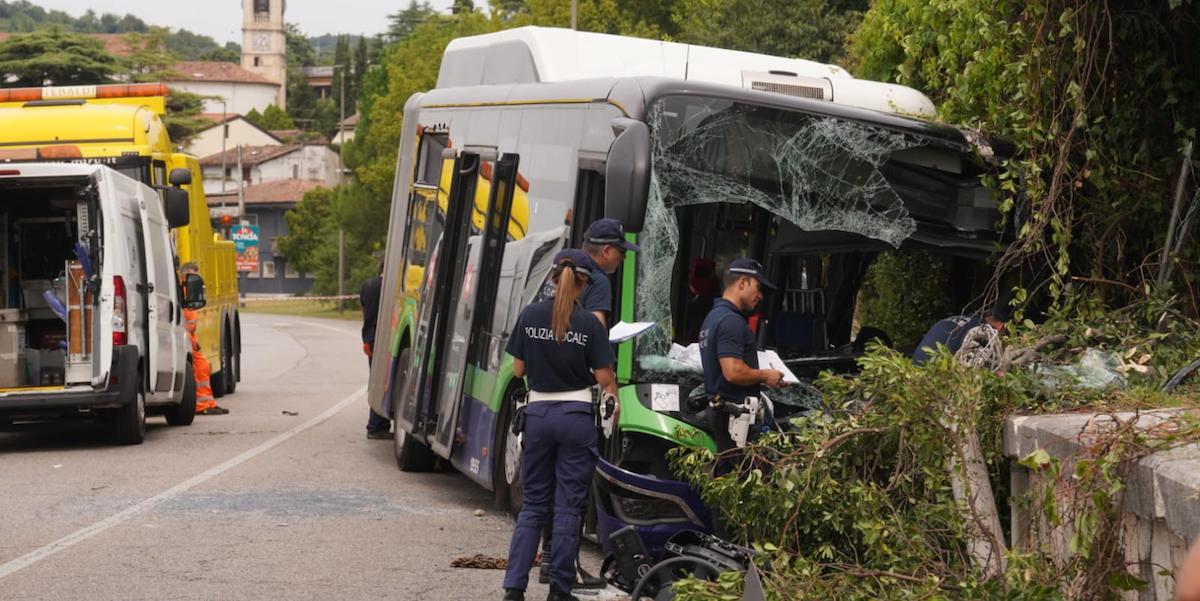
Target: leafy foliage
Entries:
(55, 56)
(1098, 99)
(271, 118)
(22, 16)
(904, 293)
(857, 503)
(183, 119)
(809, 29)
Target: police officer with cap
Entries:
(728, 349)
(605, 243)
(562, 350)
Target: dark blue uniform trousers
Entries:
(558, 459)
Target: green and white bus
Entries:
(706, 155)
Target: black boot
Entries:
(513, 594)
(557, 594)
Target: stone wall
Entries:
(1161, 502)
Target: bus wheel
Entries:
(506, 471)
(411, 455)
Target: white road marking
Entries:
(85, 533)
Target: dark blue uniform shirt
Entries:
(552, 366)
(725, 333)
(596, 297)
(950, 332)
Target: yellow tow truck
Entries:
(121, 126)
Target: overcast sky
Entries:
(222, 19)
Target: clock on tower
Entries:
(262, 41)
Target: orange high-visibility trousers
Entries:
(201, 369)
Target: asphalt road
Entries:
(257, 504)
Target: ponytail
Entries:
(568, 287)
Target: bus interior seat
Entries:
(800, 327)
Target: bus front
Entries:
(817, 192)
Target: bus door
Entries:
(443, 276)
(467, 338)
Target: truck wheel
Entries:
(411, 454)
(218, 378)
(184, 413)
(129, 422)
(235, 364)
(507, 493)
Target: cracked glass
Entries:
(815, 172)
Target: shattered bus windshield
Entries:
(815, 197)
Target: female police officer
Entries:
(562, 349)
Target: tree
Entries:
(310, 226)
(462, 6)
(810, 29)
(302, 99)
(361, 65)
(1098, 99)
(151, 60)
(55, 56)
(508, 8)
(325, 117)
(341, 68)
(270, 118)
(601, 16)
(404, 21)
(183, 119)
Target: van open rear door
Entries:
(165, 355)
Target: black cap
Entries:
(584, 265)
(753, 269)
(608, 231)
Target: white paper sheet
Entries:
(772, 360)
(627, 331)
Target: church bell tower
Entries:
(264, 43)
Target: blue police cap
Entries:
(584, 265)
(608, 231)
(752, 268)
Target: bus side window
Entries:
(589, 206)
(429, 158)
(589, 202)
(423, 210)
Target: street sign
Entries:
(245, 240)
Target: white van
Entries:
(90, 317)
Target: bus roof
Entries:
(97, 129)
(547, 55)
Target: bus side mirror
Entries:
(193, 292)
(180, 177)
(178, 214)
(627, 174)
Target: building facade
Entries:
(234, 131)
(273, 163)
(227, 88)
(266, 205)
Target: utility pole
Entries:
(573, 3)
(241, 213)
(241, 188)
(224, 159)
(341, 233)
